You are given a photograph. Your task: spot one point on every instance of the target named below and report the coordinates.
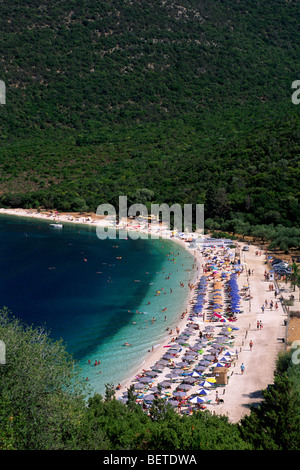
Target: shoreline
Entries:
(243, 390)
(156, 354)
(91, 220)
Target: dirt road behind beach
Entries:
(242, 391)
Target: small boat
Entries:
(56, 225)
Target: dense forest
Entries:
(180, 101)
(45, 406)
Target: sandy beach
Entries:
(242, 389)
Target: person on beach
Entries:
(242, 368)
(251, 344)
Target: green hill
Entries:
(190, 100)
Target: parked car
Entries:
(283, 263)
(281, 266)
(246, 248)
(283, 273)
(276, 261)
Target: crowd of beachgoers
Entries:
(195, 366)
(190, 370)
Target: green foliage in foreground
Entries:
(40, 400)
(275, 424)
(44, 406)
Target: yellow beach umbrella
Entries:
(211, 380)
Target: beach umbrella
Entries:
(211, 380)
(173, 402)
(184, 387)
(146, 379)
(138, 386)
(198, 400)
(224, 359)
(205, 384)
(202, 391)
(229, 353)
(151, 373)
(194, 374)
(219, 364)
(165, 384)
(192, 353)
(172, 376)
(189, 358)
(208, 357)
(160, 363)
(180, 365)
(179, 394)
(204, 363)
(200, 368)
(189, 380)
(176, 371)
(149, 398)
(168, 356)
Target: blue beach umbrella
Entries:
(205, 384)
(198, 400)
(194, 374)
(202, 391)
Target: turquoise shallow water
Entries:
(94, 294)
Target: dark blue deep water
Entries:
(90, 292)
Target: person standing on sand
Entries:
(250, 344)
(242, 368)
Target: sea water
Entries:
(96, 295)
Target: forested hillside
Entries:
(188, 99)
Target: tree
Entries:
(109, 392)
(41, 392)
(159, 408)
(295, 275)
(275, 424)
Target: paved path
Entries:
(242, 391)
